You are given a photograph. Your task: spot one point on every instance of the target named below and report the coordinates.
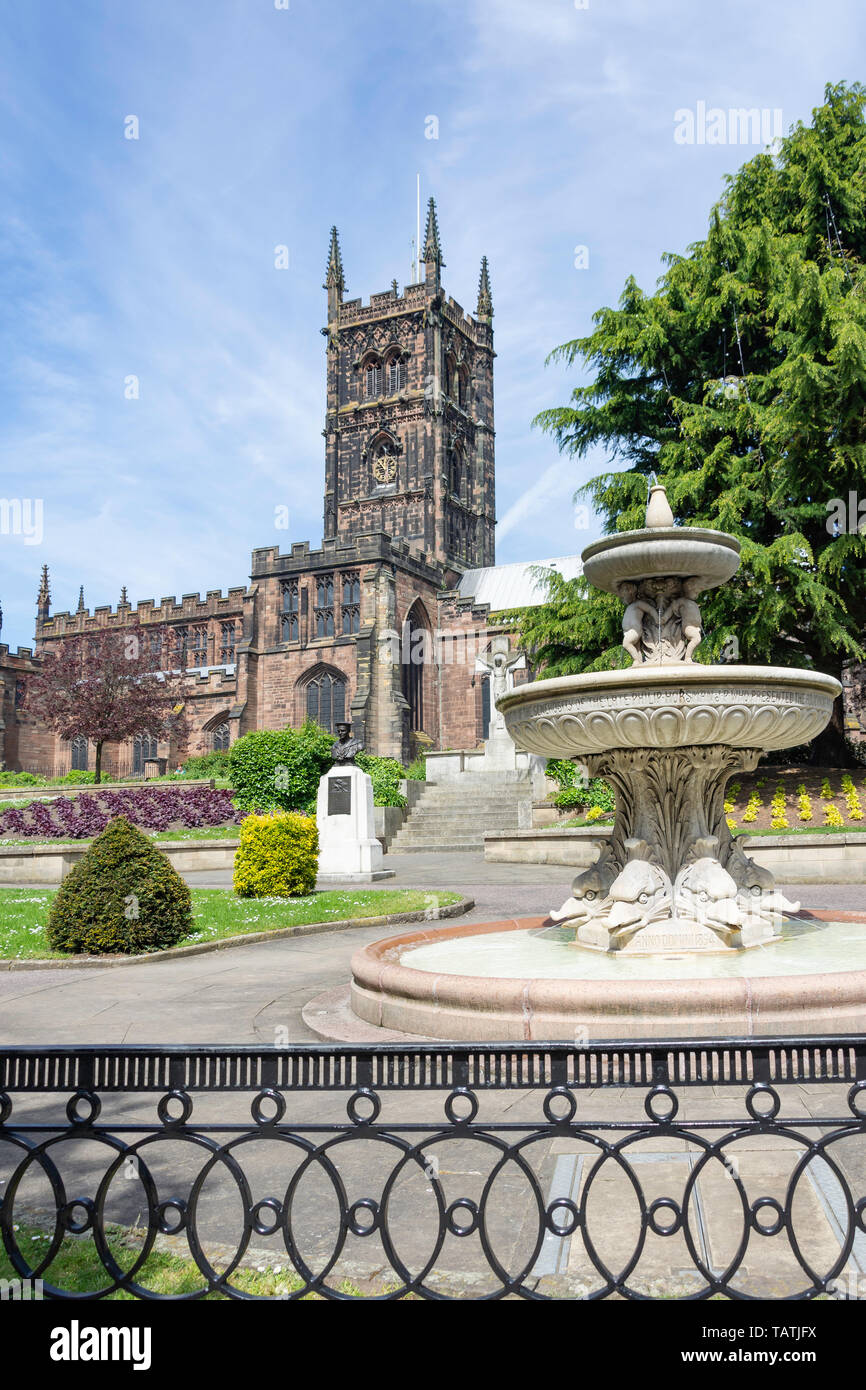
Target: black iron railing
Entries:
(543, 1171)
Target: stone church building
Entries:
(381, 624)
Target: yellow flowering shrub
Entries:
(751, 812)
(778, 819)
(852, 800)
(278, 856)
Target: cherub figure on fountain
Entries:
(637, 610)
(682, 609)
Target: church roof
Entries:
(514, 586)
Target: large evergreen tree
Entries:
(740, 384)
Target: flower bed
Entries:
(88, 813)
(775, 798)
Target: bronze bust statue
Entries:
(345, 748)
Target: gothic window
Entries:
(227, 643)
(455, 533)
(326, 700)
(199, 645)
(396, 376)
(373, 380)
(415, 647)
(450, 375)
(291, 608)
(144, 747)
(182, 646)
(485, 707)
(79, 753)
(20, 688)
(463, 388)
(323, 611)
(155, 649)
(455, 471)
(351, 603)
(220, 739)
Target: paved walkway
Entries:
(255, 994)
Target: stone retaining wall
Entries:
(50, 863)
(791, 858)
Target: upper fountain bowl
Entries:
(689, 552)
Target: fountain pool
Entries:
(803, 948)
(514, 980)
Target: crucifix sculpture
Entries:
(499, 664)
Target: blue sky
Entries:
(261, 127)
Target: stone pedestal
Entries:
(672, 878)
(348, 849)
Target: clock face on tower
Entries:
(385, 469)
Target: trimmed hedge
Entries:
(214, 764)
(597, 795)
(386, 775)
(278, 856)
(280, 767)
(122, 897)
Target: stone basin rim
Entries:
(687, 534)
(688, 674)
(709, 558)
(475, 1007)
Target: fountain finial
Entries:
(658, 512)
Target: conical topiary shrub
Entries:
(123, 896)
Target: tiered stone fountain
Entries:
(652, 941)
(669, 733)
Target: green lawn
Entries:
(217, 913)
(76, 1268)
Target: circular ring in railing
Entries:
(76, 1226)
(860, 1213)
(559, 1093)
(457, 1096)
(268, 1204)
(181, 1098)
(363, 1096)
(5, 1107)
(560, 1228)
(857, 1100)
(354, 1222)
(268, 1097)
(458, 1228)
(653, 1109)
(664, 1228)
(173, 1206)
(767, 1204)
(73, 1113)
(761, 1089)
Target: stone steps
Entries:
(457, 816)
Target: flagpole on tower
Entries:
(417, 228)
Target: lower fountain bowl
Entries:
(675, 706)
(754, 993)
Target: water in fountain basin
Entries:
(805, 948)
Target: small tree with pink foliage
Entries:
(106, 686)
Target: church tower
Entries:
(409, 426)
